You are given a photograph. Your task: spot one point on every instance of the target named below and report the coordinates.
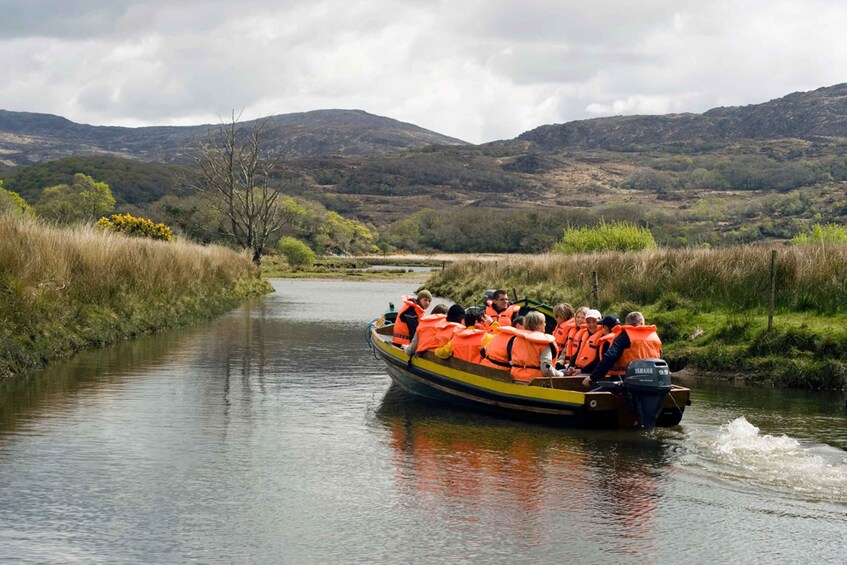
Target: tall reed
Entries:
(64, 289)
(808, 278)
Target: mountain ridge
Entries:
(27, 137)
(799, 115)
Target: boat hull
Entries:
(559, 401)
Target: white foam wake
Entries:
(779, 461)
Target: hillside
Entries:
(801, 115)
(730, 175)
(27, 138)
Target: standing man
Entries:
(636, 341)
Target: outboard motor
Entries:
(647, 381)
(488, 295)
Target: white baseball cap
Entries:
(594, 314)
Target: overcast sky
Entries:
(478, 70)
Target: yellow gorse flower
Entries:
(140, 227)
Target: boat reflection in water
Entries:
(530, 482)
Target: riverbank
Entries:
(67, 289)
(363, 268)
(710, 305)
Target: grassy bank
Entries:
(710, 305)
(62, 290)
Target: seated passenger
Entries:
(635, 341)
(468, 343)
(496, 352)
(410, 313)
(436, 329)
(518, 322)
(572, 340)
(564, 321)
(611, 326)
(586, 355)
(499, 309)
(533, 351)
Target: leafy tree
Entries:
(84, 200)
(296, 253)
(821, 234)
(344, 236)
(12, 203)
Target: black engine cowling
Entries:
(647, 382)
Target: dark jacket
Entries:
(611, 356)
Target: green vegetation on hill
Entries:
(132, 182)
(710, 304)
(62, 290)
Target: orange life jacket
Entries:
(525, 354)
(644, 344)
(574, 340)
(503, 318)
(561, 333)
(467, 345)
(587, 353)
(402, 334)
(496, 353)
(434, 331)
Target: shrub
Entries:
(296, 253)
(138, 227)
(622, 236)
(829, 233)
(12, 203)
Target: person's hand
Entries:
(586, 382)
(573, 371)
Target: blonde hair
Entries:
(563, 311)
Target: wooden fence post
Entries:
(773, 290)
(594, 290)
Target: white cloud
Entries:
(489, 71)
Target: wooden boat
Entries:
(632, 403)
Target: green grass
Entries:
(62, 290)
(710, 305)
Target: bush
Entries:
(606, 237)
(138, 227)
(296, 253)
(829, 233)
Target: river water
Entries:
(271, 435)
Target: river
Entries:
(271, 435)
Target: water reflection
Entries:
(24, 397)
(531, 481)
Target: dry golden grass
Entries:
(62, 289)
(808, 278)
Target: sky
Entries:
(478, 70)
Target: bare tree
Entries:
(238, 175)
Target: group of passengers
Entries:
(584, 341)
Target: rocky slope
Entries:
(801, 115)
